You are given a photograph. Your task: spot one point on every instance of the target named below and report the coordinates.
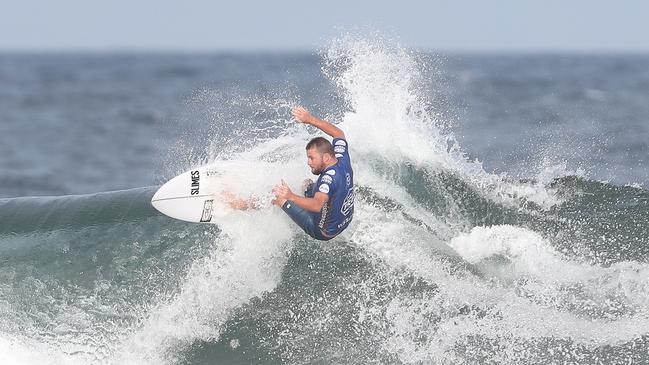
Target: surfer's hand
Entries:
(301, 114)
(282, 191)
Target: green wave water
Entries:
(83, 283)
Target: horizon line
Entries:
(310, 50)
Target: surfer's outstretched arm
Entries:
(302, 115)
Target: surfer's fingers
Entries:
(299, 112)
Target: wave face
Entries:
(444, 262)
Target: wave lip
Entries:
(27, 214)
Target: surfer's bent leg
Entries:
(304, 219)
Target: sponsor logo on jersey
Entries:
(339, 149)
(324, 188)
(331, 172)
(324, 214)
(348, 203)
(348, 178)
(326, 179)
(340, 142)
(338, 155)
(196, 176)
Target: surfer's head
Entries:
(320, 155)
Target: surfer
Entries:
(327, 206)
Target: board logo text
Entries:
(195, 182)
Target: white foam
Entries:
(246, 260)
(515, 243)
(509, 310)
(533, 257)
(530, 296)
(245, 263)
(389, 117)
(23, 351)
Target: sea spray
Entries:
(244, 263)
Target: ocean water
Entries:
(501, 209)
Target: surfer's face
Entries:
(315, 161)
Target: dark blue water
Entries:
(81, 123)
(501, 209)
(535, 111)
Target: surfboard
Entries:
(193, 196)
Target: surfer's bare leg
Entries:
(239, 203)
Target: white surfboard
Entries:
(193, 196)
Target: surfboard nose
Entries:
(156, 196)
(190, 197)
